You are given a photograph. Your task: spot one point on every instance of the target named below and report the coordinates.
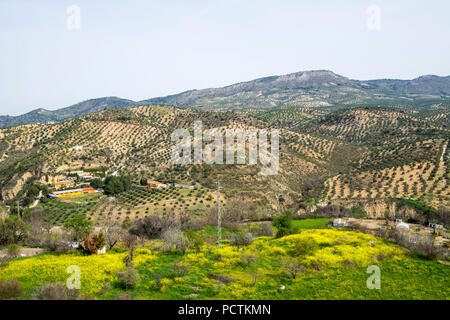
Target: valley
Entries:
(357, 185)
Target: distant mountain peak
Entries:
(312, 75)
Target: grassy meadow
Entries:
(313, 264)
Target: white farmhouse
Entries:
(402, 226)
(339, 223)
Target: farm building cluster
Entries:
(75, 184)
(72, 192)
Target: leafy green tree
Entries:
(13, 230)
(97, 183)
(79, 226)
(116, 185)
(33, 192)
(357, 212)
(196, 238)
(126, 223)
(283, 224)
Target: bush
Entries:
(180, 269)
(292, 266)
(97, 183)
(242, 239)
(94, 243)
(429, 249)
(152, 227)
(13, 251)
(196, 239)
(304, 247)
(128, 278)
(262, 230)
(175, 240)
(10, 289)
(55, 291)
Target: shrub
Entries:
(242, 239)
(126, 223)
(429, 249)
(128, 278)
(10, 289)
(97, 183)
(304, 247)
(175, 240)
(196, 239)
(262, 230)
(94, 243)
(180, 269)
(55, 291)
(152, 227)
(13, 251)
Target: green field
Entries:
(319, 223)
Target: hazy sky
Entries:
(142, 49)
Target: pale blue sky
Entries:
(142, 49)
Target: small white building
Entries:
(402, 226)
(77, 148)
(435, 225)
(102, 250)
(339, 223)
(185, 186)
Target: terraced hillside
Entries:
(401, 154)
(326, 155)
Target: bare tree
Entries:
(130, 242)
(236, 211)
(112, 231)
(293, 266)
(175, 240)
(154, 226)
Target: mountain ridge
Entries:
(314, 88)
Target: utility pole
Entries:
(219, 218)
